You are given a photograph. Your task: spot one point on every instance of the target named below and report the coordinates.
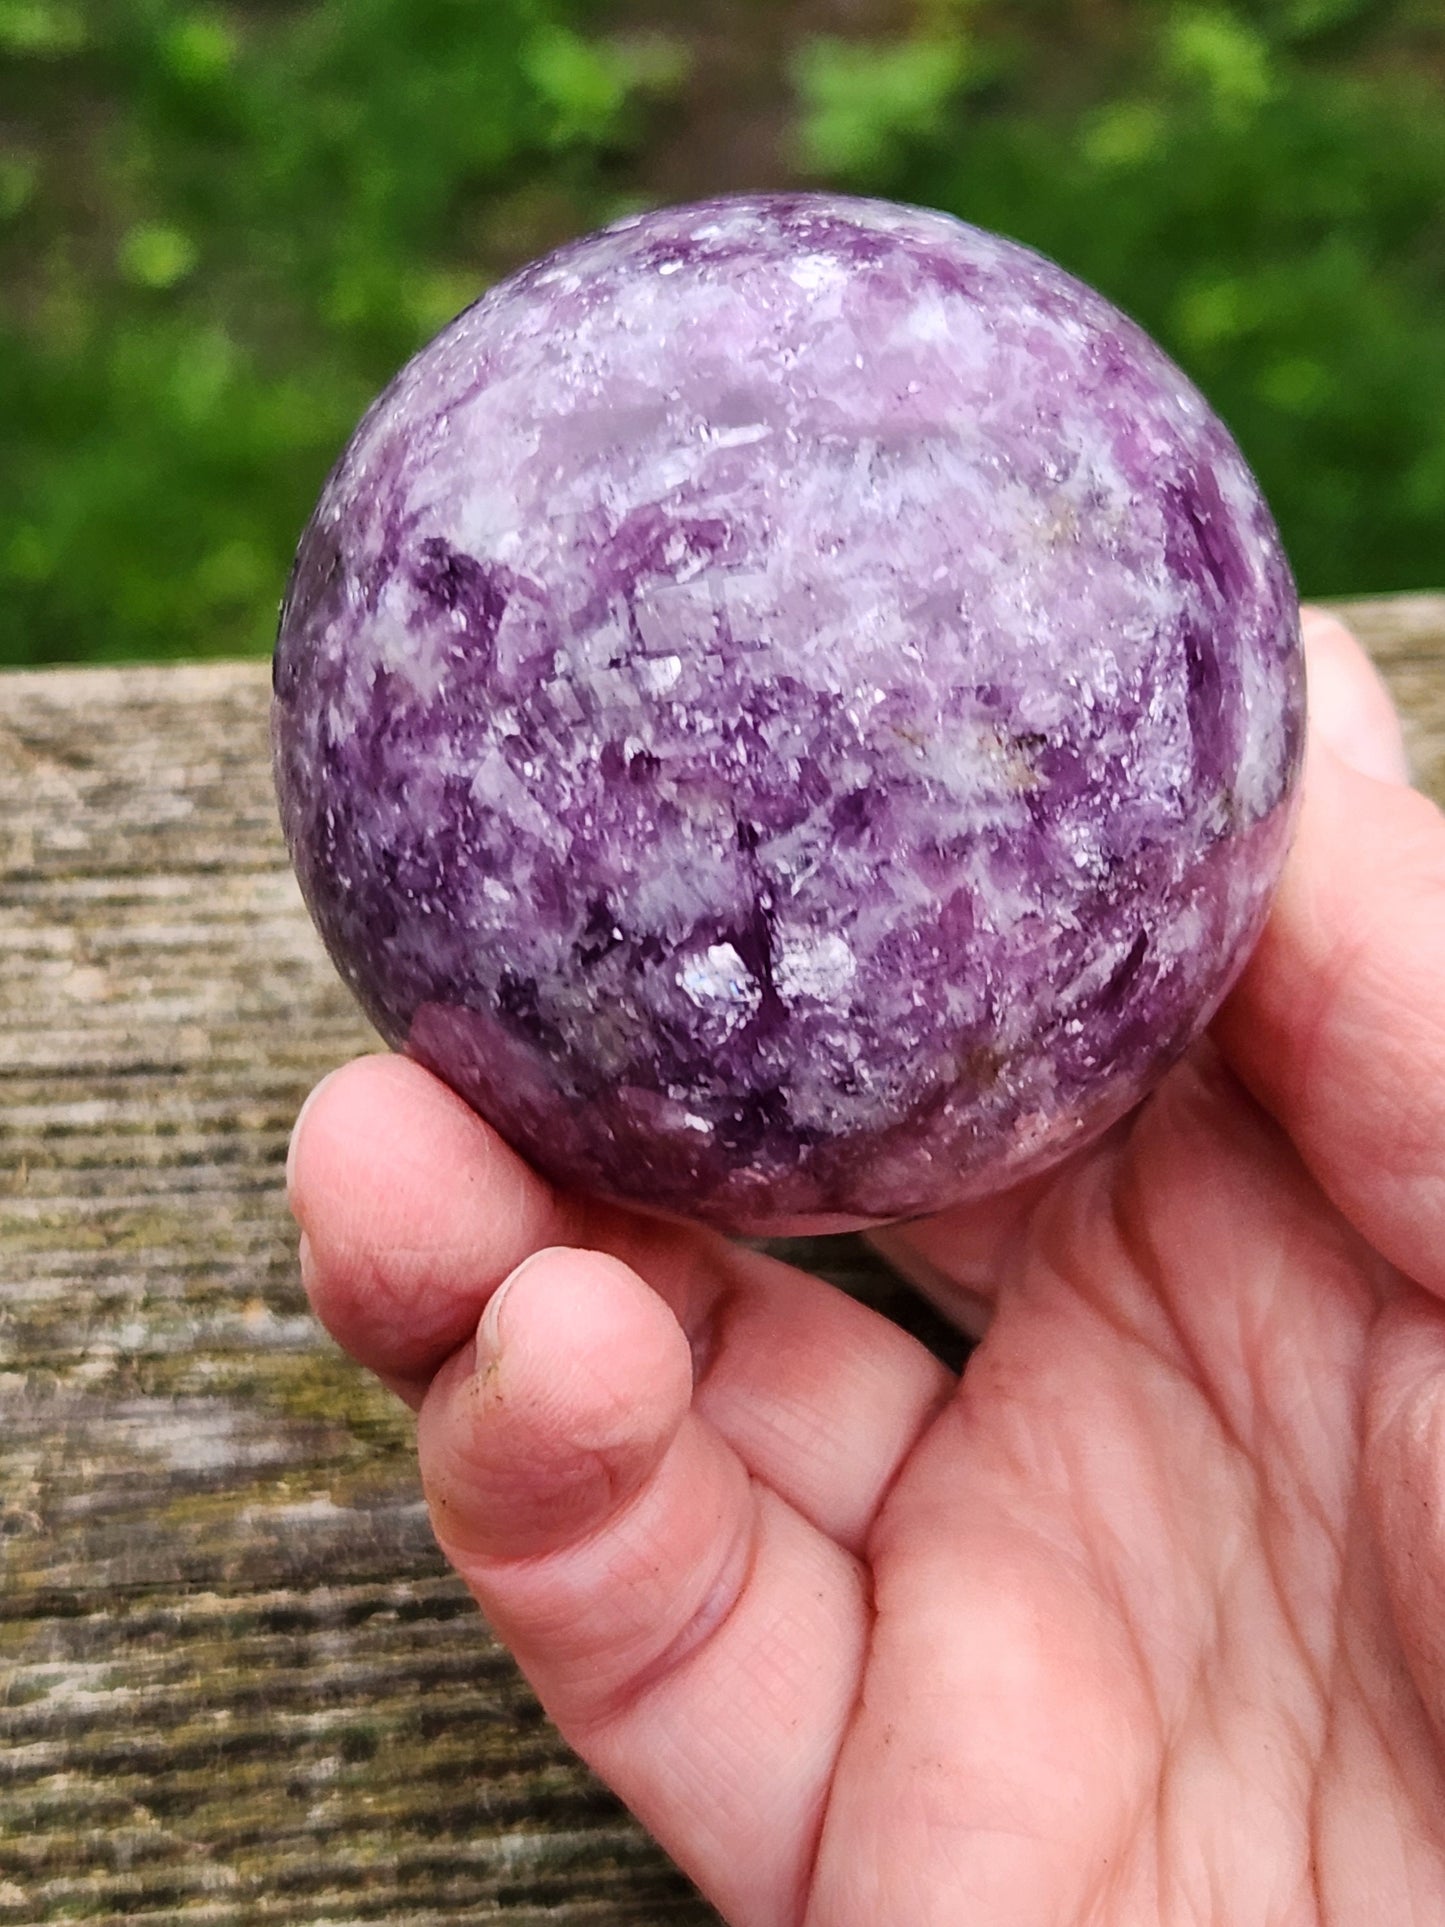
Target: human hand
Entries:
(1137, 1622)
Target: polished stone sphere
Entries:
(792, 707)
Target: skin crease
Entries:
(1137, 1622)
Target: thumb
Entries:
(697, 1640)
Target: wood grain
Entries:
(236, 1682)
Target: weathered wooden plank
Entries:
(236, 1683)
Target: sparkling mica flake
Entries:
(792, 707)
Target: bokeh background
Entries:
(223, 226)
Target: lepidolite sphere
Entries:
(791, 706)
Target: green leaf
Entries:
(1225, 57)
(1305, 18)
(1296, 384)
(865, 101)
(157, 256)
(41, 29)
(200, 48)
(28, 556)
(19, 180)
(438, 297)
(237, 572)
(1124, 134)
(1215, 310)
(585, 83)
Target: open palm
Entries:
(1138, 1620)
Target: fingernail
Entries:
(489, 1330)
(1350, 707)
(301, 1117)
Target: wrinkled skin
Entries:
(1138, 1621)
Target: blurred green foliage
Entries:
(225, 231)
(222, 227)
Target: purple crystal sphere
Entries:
(792, 707)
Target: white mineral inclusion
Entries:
(817, 967)
(720, 983)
